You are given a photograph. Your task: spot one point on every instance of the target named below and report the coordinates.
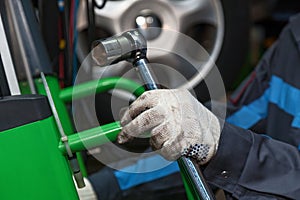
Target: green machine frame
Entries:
(34, 164)
(96, 136)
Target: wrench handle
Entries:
(187, 165)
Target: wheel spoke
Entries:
(110, 16)
(192, 12)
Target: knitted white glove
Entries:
(180, 125)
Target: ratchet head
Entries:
(129, 46)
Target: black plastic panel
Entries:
(19, 110)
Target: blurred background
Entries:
(251, 26)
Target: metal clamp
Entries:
(64, 138)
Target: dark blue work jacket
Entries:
(264, 163)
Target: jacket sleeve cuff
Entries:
(227, 165)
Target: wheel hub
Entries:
(145, 20)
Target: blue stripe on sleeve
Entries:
(250, 114)
(280, 93)
(287, 98)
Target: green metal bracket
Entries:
(92, 137)
(60, 106)
(63, 96)
(98, 86)
(96, 136)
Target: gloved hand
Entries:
(180, 125)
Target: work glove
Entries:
(179, 124)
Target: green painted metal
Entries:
(96, 136)
(62, 112)
(98, 86)
(108, 133)
(188, 185)
(60, 106)
(32, 167)
(62, 96)
(92, 137)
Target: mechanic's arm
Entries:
(237, 160)
(257, 165)
(247, 164)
